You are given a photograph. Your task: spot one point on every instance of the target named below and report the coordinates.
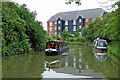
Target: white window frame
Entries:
(66, 28)
(74, 28)
(50, 29)
(59, 34)
(66, 22)
(50, 33)
(74, 22)
(55, 27)
(59, 28)
(87, 20)
(50, 24)
(58, 22)
(55, 33)
(80, 27)
(80, 20)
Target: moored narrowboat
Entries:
(100, 45)
(55, 47)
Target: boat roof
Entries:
(100, 40)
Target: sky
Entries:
(47, 8)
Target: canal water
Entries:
(79, 62)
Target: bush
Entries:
(80, 39)
(71, 39)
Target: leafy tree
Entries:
(84, 31)
(21, 33)
(65, 34)
(76, 33)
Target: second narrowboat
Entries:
(100, 45)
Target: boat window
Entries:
(51, 45)
(102, 43)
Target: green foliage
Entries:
(108, 28)
(76, 43)
(76, 33)
(77, 39)
(80, 39)
(113, 48)
(65, 34)
(71, 39)
(21, 33)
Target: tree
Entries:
(21, 33)
(65, 34)
(76, 33)
(109, 4)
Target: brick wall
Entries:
(48, 28)
(86, 23)
(53, 28)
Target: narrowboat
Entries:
(100, 45)
(55, 47)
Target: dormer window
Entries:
(79, 20)
(58, 22)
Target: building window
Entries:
(59, 34)
(50, 34)
(87, 20)
(79, 20)
(66, 28)
(80, 27)
(55, 33)
(74, 22)
(50, 29)
(50, 24)
(55, 27)
(59, 28)
(66, 22)
(58, 22)
(74, 28)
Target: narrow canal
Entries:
(78, 62)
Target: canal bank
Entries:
(79, 62)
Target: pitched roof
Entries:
(73, 15)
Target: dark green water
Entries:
(78, 62)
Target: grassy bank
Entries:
(76, 43)
(113, 48)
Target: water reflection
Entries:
(68, 65)
(101, 56)
(79, 62)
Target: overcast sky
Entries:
(47, 8)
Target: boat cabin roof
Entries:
(100, 40)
